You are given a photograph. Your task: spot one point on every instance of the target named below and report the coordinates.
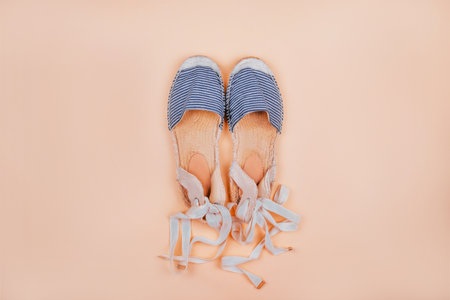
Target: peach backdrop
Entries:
(87, 178)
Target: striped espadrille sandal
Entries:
(255, 113)
(195, 114)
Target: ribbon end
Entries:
(261, 284)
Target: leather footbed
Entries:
(254, 141)
(196, 138)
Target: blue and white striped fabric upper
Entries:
(252, 87)
(198, 85)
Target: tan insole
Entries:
(196, 137)
(254, 139)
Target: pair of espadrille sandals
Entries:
(196, 112)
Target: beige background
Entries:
(87, 173)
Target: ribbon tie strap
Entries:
(255, 208)
(216, 216)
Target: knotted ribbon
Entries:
(255, 208)
(217, 216)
